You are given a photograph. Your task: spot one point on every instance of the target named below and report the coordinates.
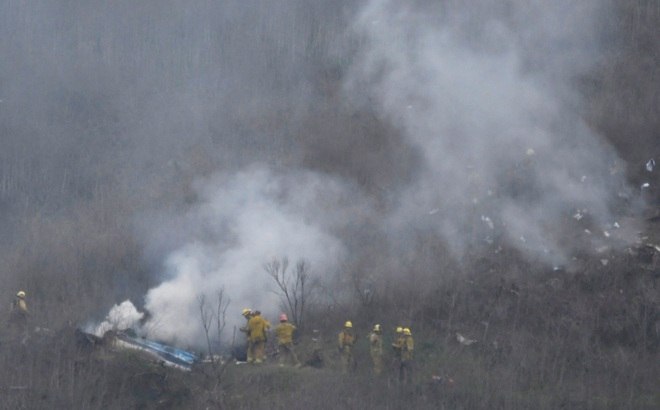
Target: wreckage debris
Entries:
(464, 340)
(650, 165)
(165, 354)
(488, 221)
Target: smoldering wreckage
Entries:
(122, 328)
(120, 335)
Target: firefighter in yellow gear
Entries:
(247, 313)
(406, 362)
(346, 341)
(284, 332)
(376, 349)
(257, 335)
(397, 346)
(18, 318)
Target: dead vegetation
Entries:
(547, 339)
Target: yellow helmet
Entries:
(348, 324)
(376, 328)
(246, 312)
(20, 294)
(406, 331)
(399, 329)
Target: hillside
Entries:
(483, 169)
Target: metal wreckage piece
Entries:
(168, 355)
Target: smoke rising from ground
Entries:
(222, 134)
(121, 317)
(243, 221)
(486, 93)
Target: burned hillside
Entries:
(484, 174)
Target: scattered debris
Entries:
(604, 262)
(646, 185)
(437, 379)
(602, 249)
(488, 221)
(616, 225)
(650, 165)
(583, 179)
(578, 215)
(588, 232)
(606, 234)
(463, 340)
(530, 152)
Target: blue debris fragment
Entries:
(169, 355)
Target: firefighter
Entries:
(396, 347)
(406, 362)
(376, 349)
(317, 358)
(346, 341)
(284, 332)
(18, 319)
(257, 336)
(247, 313)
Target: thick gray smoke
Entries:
(243, 221)
(485, 91)
(224, 134)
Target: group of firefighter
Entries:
(256, 330)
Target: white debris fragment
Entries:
(604, 262)
(646, 185)
(434, 211)
(463, 340)
(584, 178)
(487, 221)
(616, 225)
(602, 249)
(650, 165)
(556, 268)
(606, 234)
(530, 152)
(588, 232)
(522, 239)
(578, 215)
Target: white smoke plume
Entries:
(486, 92)
(243, 221)
(121, 317)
